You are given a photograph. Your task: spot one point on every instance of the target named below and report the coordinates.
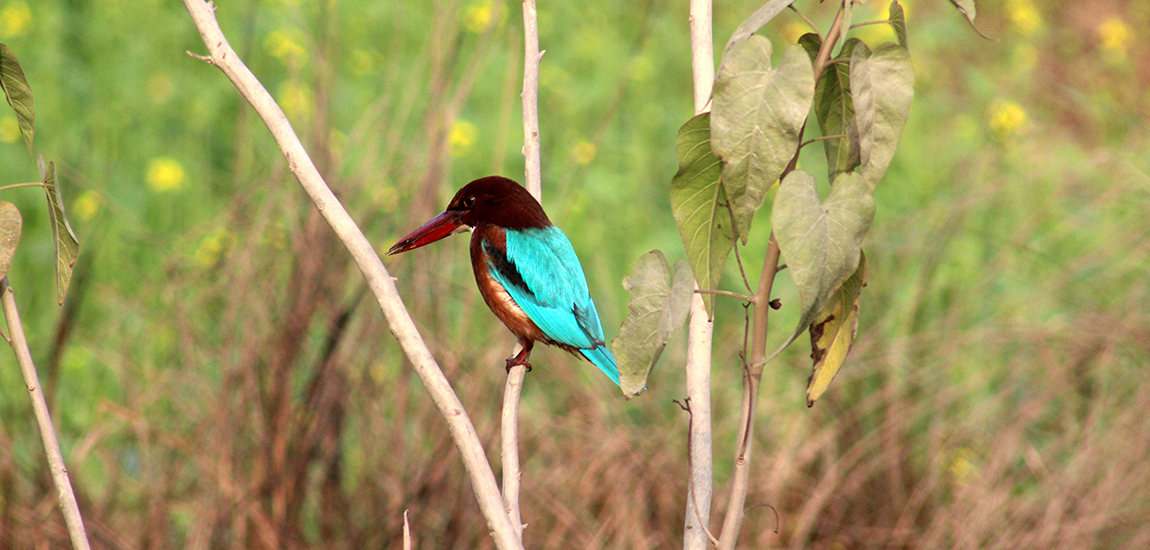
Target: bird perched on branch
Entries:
(525, 267)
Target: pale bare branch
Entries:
(64, 492)
(221, 55)
(700, 330)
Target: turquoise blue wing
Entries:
(540, 271)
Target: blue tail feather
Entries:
(602, 358)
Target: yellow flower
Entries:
(584, 152)
(962, 464)
(9, 129)
(461, 138)
(1023, 16)
(1114, 38)
(284, 44)
(295, 100)
(87, 205)
(165, 174)
(478, 15)
(214, 246)
(15, 19)
(1005, 118)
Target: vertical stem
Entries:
(701, 328)
(64, 492)
(530, 96)
(751, 377)
(701, 461)
(753, 373)
(509, 431)
(702, 53)
(509, 435)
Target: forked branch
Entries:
(222, 56)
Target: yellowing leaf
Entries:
(820, 240)
(833, 332)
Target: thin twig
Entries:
(700, 330)
(773, 510)
(686, 406)
(19, 185)
(865, 23)
(742, 272)
(379, 282)
(810, 23)
(717, 292)
(821, 138)
(64, 492)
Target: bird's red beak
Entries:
(436, 228)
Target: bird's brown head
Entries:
(493, 200)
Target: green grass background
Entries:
(222, 382)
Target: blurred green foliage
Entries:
(1006, 306)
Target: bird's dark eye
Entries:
(468, 202)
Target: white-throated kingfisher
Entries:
(525, 267)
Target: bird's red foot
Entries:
(521, 358)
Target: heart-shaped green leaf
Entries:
(700, 205)
(835, 112)
(757, 120)
(882, 86)
(820, 241)
(659, 306)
